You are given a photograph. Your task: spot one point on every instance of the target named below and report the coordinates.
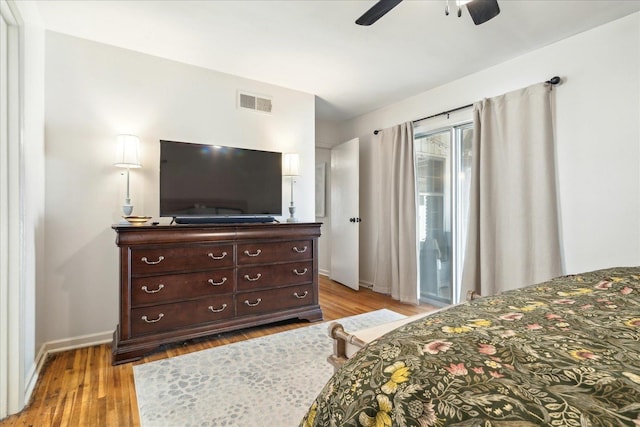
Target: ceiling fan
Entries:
(480, 10)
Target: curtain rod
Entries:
(552, 81)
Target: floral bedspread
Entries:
(562, 353)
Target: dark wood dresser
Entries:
(179, 282)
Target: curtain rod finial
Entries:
(554, 80)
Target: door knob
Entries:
(352, 220)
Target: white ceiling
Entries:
(314, 45)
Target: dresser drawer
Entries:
(166, 317)
(172, 287)
(259, 253)
(160, 260)
(263, 276)
(274, 299)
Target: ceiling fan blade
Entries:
(377, 11)
(483, 10)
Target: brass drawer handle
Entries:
(147, 320)
(253, 304)
(153, 291)
(252, 279)
(256, 253)
(146, 261)
(300, 251)
(212, 256)
(224, 279)
(300, 273)
(301, 296)
(217, 310)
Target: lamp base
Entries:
(292, 212)
(127, 209)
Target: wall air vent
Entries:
(253, 102)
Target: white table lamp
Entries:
(128, 156)
(291, 168)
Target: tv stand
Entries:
(223, 219)
(179, 282)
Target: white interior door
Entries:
(345, 216)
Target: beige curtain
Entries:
(513, 235)
(396, 250)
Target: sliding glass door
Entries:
(443, 166)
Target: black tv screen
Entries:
(210, 181)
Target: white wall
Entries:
(95, 92)
(326, 137)
(34, 178)
(597, 133)
(323, 155)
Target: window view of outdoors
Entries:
(443, 171)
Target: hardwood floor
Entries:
(81, 388)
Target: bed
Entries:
(562, 353)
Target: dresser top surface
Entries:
(230, 226)
(131, 234)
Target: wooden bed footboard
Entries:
(340, 341)
(346, 344)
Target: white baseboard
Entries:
(362, 283)
(57, 346)
(32, 378)
(76, 342)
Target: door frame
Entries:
(463, 120)
(12, 335)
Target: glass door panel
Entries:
(434, 195)
(443, 173)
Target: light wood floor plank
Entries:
(81, 388)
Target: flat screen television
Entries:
(209, 183)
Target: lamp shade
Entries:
(128, 152)
(290, 164)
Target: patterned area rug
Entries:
(266, 381)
